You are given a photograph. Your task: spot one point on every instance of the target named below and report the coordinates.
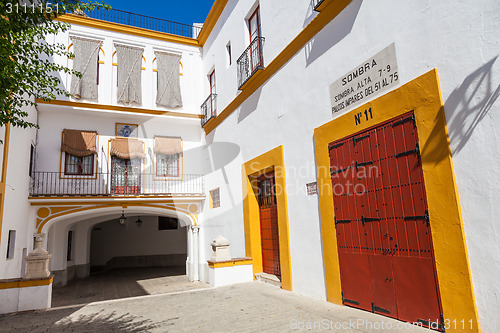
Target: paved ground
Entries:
(249, 307)
(122, 283)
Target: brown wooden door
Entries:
(383, 228)
(269, 225)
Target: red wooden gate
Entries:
(269, 225)
(382, 223)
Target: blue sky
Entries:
(179, 11)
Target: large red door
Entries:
(269, 225)
(382, 223)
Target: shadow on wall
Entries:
(469, 104)
(333, 33)
(215, 155)
(249, 106)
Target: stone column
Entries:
(37, 261)
(196, 253)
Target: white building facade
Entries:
(346, 148)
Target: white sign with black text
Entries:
(377, 74)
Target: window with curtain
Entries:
(129, 59)
(79, 165)
(168, 87)
(79, 149)
(168, 154)
(86, 61)
(167, 165)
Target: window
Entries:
(86, 61)
(11, 243)
(213, 93)
(215, 198)
(79, 149)
(228, 54)
(32, 160)
(211, 78)
(79, 165)
(167, 223)
(167, 165)
(254, 25)
(70, 240)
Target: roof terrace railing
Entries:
(143, 21)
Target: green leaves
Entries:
(27, 68)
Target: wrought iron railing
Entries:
(316, 4)
(209, 109)
(109, 184)
(143, 21)
(250, 61)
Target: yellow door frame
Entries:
(271, 160)
(423, 96)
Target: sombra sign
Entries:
(375, 75)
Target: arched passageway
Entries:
(98, 256)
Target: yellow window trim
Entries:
(273, 159)
(120, 108)
(422, 95)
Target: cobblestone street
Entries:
(249, 307)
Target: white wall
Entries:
(110, 240)
(459, 39)
(17, 215)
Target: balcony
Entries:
(56, 184)
(209, 109)
(250, 61)
(143, 21)
(318, 5)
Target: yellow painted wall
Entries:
(272, 160)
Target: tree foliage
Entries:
(27, 69)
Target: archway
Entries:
(84, 240)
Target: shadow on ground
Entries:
(123, 283)
(68, 320)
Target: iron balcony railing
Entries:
(209, 109)
(250, 61)
(143, 21)
(109, 184)
(317, 3)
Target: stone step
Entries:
(268, 278)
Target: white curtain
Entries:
(169, 88)
(86, 56)
(129, 73)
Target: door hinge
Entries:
(340, 221)
(419, 217)
(379, 309)
(356, 140)
(413, 151)
(369, 219)
(338, 171)
(439, 325)
(362, 164)
(402, 121)
(335, 146)
(350, 301)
